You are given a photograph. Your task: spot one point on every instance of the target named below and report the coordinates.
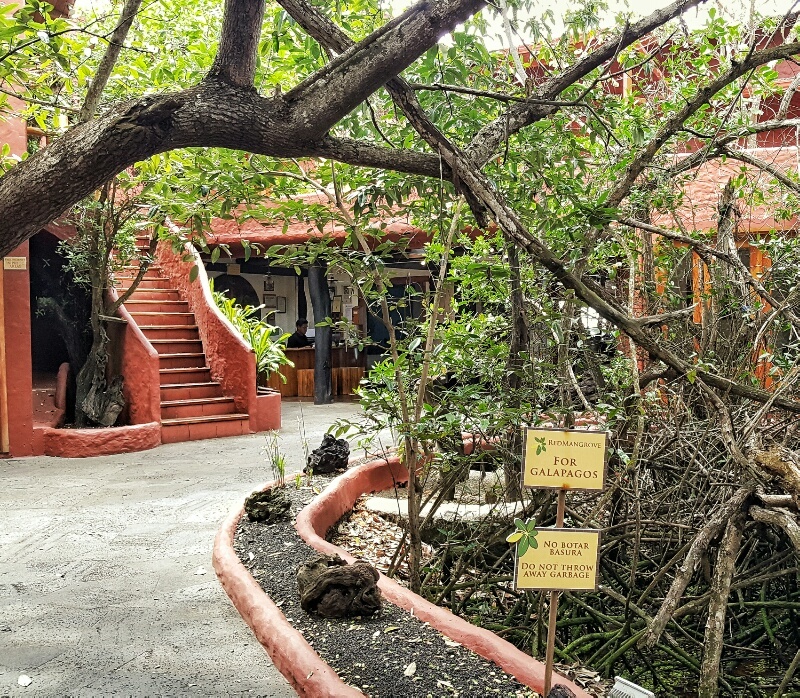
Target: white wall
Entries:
(285, 286)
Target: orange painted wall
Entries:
(16, 291)
(19, 371)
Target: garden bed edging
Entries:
(288, 649)
(85, 443)
(316, 519)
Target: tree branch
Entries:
(702, 540)
(782, 519)
(488, 139)
(776, 172)
(672, 125)
(364, 67)
(731, 259)
(235, 62)
(109, 60)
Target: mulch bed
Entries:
(390, 655)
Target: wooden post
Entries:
(551, 626)
(302, 304)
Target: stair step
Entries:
(142, 305)
(177, 346)
(168, 318)
(190, 391)
(193, 428)
(172, 376)
(159, 282)
(150, 275)
(189, 332)
(197, 407)
(134, 268)
(182, 360)
(152, 294)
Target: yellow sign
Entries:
(570, 460)
(15, 263)
(564, 559)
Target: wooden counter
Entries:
(347, 369)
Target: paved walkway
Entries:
(106, 584)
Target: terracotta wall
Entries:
(16, 293)
(231, 360)
(138, 365)
(17, 320)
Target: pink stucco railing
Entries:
(232, 361)
(139, 367)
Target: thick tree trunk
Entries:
(219, 112)
(321, 303)
(97, 401)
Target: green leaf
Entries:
(193, 273)
(514, 537)
(522, 547)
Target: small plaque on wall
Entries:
(20, 263)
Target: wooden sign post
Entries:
(558, 559)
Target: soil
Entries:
(390, 655)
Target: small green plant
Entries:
(298, 480)
(524, 536)
(309, 476)
(541, 442)
(276, 459)
(264, 339)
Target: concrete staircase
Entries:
(193, 405)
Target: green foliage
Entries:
(524, 536)
(264, 339)
(275, 458)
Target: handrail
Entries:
(139, 366)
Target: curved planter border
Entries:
(290, 652)
(85, 443)
(339, 497)
(288, 649)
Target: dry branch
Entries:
(717, 607)
(784, 464)
(701, 542)
(782, 519)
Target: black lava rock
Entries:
(331, 588)
(332, 455)
(268, 506)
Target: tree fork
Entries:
(699, 545)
